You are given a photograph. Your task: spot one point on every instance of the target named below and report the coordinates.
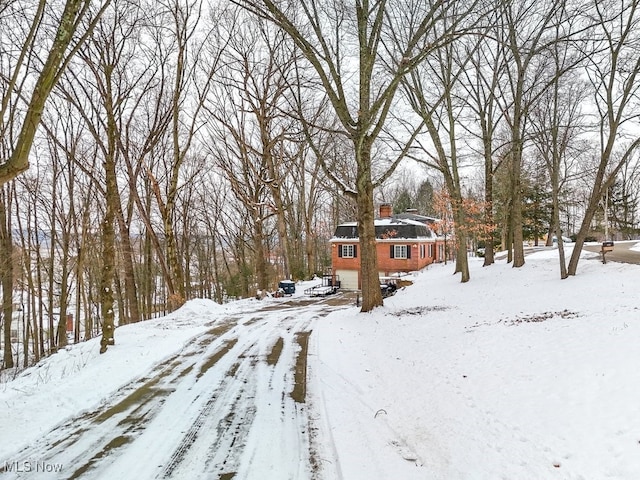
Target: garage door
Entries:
(348, 279)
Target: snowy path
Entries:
(231, 402)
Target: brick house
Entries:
(406, 242)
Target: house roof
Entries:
(419, 218)
(388, 229)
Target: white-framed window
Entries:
(347, 251)
(423, 250)
(400, 251)
(431, 251)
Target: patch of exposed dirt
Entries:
(419, 310)
(213, 359)
(300, 375)
(114, 444)
(214, 333)
(532, 318)
(276, 350)
(539, 317)
(341, 298)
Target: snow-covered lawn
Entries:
(515, 375)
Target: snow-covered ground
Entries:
(514, 375)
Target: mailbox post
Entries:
(607, 246)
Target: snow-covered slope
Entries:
(514, 375)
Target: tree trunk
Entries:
(589, 213)
(6, 271)
(27, 249)
(108, 271)
(516, 196)
(109, 240)
(369, 274)
(462, 261)
(262, 276)
(49, 74)
(64, 290)
(275, 186)
(130, 287)
(489, 258)
(31, 335)
(555, 201)
(177, 294)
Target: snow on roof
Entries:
(387, 229)
(382, 222)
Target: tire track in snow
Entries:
(224, 425)
(233, 385)
(277, 445)
(227, 438)
(221, 413)
(86, 441)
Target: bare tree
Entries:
(481, 82)
(308, 194)
(245, 173)
(72, 26)
(360, 54)
(6, 273)
(432, 92)
(184, 82)
(255, 79)
(100, 89)
(613, 72)
(33, 31)
(557, 123)
(528, 29)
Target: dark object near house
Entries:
(330, 284)
(388, 289)
(288, 287)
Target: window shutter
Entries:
(408, 251)
(391, 251)
(340, 251)
(355, 251)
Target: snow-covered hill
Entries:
(514, 375)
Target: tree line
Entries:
(153, 152)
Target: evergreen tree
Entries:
(403, 201)
(424, 199)
(537, 208)
(623, 208)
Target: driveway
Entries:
(621, 252)
(232, 401)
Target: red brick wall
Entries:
(385, 263)
(386, 210)
(340, 263)
(389, 265)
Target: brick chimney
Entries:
(385, 210)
